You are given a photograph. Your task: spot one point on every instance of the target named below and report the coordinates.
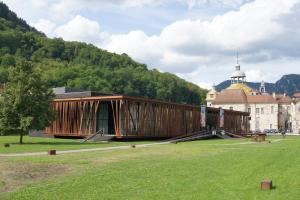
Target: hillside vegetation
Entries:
(84, 66)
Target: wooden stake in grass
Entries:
(52, 152)
(266, 185)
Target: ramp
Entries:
(184, 136)
(228, 135)
(195, 136)
(99, 136)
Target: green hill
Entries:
(84, 66)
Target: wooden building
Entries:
(134, 117)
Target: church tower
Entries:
(238, 80)
(238, 76)
(262, 88)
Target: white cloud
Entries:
(39, 3)
(201, 51)
(186, 46)
(135, 43)
(46, 26)
(81, 29)
(257, 76)
(68, 8)
(188, 42)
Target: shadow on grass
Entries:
(55, 143)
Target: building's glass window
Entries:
(249, 110)
(102, 118)
(272, 109)
(211, 96)
(271, 126)
(288, 108)
(230, 108)
(257, 111)
(262, 111)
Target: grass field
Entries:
(35, 144)
(209, 169)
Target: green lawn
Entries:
(208, 169)
(35, 144)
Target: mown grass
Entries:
(36, 144)
(212, 169)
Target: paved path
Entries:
(113, 148)
(81, 150)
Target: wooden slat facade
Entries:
(138, 117)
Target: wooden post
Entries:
(52, 152)
(266, 185)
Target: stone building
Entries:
(296, 113)
(268, 112)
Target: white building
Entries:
(296, 113)
(267, 111)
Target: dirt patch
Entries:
(14, 176)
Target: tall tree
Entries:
(25, 101)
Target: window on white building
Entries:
(230, 108)
(262, 111)
(211, 96)
(288, 109)
(257, 111)
(272, 109)
(249, 110)
(271, 126)
(257, 123)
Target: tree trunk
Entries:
(21, 136)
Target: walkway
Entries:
(82, 150)
(115, 148)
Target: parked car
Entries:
(267, 130)
(270, 131)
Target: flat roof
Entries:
(141, 99)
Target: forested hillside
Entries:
(84, 66)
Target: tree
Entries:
(25, 101)
(8, 60)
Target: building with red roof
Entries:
(268, 112)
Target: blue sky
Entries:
(195, 39)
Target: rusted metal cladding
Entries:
(236, 122)
(150, 119)
(136, 117)
(74, 118)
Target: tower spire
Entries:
(262, 87)
(238, 76)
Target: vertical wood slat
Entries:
(148, 119)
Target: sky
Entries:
(196, 39)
